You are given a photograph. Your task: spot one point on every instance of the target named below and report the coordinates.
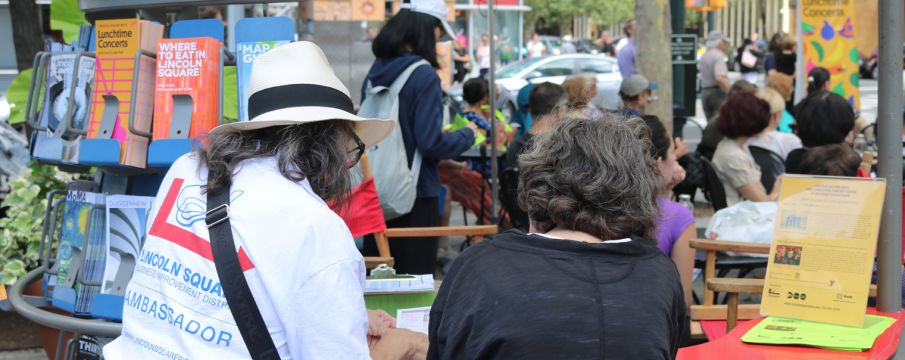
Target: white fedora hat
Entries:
(295, 84)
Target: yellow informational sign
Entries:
(2, 293)
(823, 248)
(829, 41)
(444, 58)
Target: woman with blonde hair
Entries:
(581, 89)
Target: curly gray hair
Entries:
(594, 176)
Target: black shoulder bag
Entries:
(232, 279)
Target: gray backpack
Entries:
(396, 183)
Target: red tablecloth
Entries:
(731, 346)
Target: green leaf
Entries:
(14, 266)
(17, 96)
(7, 278)
(20, 230)
(230, 96)
(66, 17)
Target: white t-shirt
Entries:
(300, 263)
(484, 56)
(621, 43)
(536, 49)
(778, 142)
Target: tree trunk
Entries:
(27, 38)
(652, 54)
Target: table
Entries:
(731, 346)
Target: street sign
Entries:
(683, 47)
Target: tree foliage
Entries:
(603, 12)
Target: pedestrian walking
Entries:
(714, 73)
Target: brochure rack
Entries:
(53, 138)
(104, 151)
(111, 177)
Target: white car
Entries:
(556, 69)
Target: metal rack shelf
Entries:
(30, 308)
(101, 5)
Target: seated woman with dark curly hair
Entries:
(741, 117)
(587, 282)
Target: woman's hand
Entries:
(379, 322)
(678, 174)
(474, 128)
(399, 344)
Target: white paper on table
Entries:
(417, 283)
(414, 319)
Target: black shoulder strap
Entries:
(232, 279)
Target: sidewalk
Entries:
(33, 354)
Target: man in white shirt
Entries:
(297, 256)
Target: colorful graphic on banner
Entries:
(829, 42)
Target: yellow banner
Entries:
(822, 252)
(829, 42)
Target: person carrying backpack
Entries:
(408, 38)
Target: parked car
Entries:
(553, 43)
(556, 69)
(870, 66)
(587, 46)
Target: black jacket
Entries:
(521, 296)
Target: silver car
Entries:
(556, 69)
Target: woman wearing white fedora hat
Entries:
(407, 38)
(243, 257)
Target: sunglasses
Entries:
(357, 152)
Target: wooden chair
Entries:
(477, 233)
(709, 310)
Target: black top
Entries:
(785, 63)
(519, 296)
(517, 147)
(793, 161)
(608, 49)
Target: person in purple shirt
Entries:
(626, 59)
(676, 227)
